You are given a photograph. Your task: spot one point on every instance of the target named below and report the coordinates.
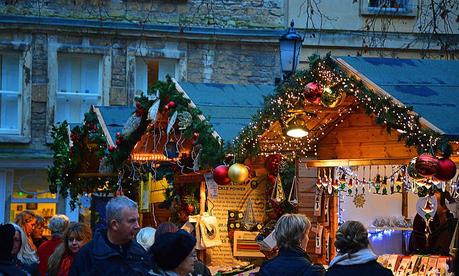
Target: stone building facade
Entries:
(101, 46)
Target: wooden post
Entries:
(202, 198)
(404, 202)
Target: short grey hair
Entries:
(115, 207)
(290, 230)
(58, 224)
(146, 237)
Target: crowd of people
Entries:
(125, 249)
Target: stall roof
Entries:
(115, 117)
(230, 107)
(431, 87)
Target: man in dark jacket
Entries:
(115, 251)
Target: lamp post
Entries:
(290, 49)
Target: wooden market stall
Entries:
(366, 119)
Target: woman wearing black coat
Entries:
(291, 233)
(354, 256)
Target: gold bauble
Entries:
(238, 173)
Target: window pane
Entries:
(78, 76)
(31, 184)
(64, 74)
(166, 67)
(9, 104)
(10, 72)
(90, 75)
(141, 78)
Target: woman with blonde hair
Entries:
(75, 237)
(291, 233)
(26, 258)
(27, 220)
(354, 255)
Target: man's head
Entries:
(122, 219)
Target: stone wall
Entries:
(208, 61)
(186, 13)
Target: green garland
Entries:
(291, 95)
(89, 139)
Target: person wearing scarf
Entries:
(354, 255)
(291, 233)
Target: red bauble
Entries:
(195, 136)
(313, 92)
(166, 108)
(171, 104)
(137, 105)
(221, 175)
(426, 165)
(118, 142)
(190, 209)
(118, 134)
(111, 148)
(446, 169)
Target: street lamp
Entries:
(290, 49)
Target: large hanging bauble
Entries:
(220, 174)
(332, 98)
(426, 165)
(238, 173)
(446, 169)
(272, 163)
(313, 92)
(412, 170)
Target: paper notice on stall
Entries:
(233, 197)
(212, 187)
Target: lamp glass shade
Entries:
(296, 128)
(290, 49)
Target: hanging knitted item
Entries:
(293, 195)
(153, 111)
(278, 194)
(171, 122)
(131, 125)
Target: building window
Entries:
(149, 71)
(79, 86)
(388, 7)
(10, 94)
(30, 191)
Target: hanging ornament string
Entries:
(119, 190)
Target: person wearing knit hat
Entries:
(9, 247)
(174, 253)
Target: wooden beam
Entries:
(346, 67)
(356, 162)
(104, 126)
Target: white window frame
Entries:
(18, 93)
(79, 94)
(141, 58)
(408, 9)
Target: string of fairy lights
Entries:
(291, 95)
